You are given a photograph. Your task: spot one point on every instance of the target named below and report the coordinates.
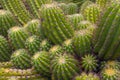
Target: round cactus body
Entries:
(5, 51)
(21, 59)
(17, 37)
(64, 67)
(33, 44)
(45, 45)
(41, 63)
(63, 6)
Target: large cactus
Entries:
(55, 26)
(6, 21)
(17, 36)
(5, 51)
(108, 34)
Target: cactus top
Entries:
(3, 12)
(15, 29)
(110, 71)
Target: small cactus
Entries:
(21, 59)
(45, 45)
(102, 3)
(63, 6)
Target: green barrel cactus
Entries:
(109, 74)
(68, 46)
(75, 19)
(82, 42)
(6, 64)
(89, 76)
(54, 24)
(64, 67)
(33, 27)
(33, 44)
(18, 8)
(5, 51)
(17, 36)
(92, 13)
(55, 50)
(41, 63)
(63, 6)
(72, 8)
(107, 36)
(6, 22)
(45, 45)
(21, 59)
(89, 63)
(102, 3)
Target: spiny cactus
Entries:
(107, 35)
(85, 76)
(45, 45)
(33, 44)
(5, 51)
(18, 9)
(55, 50)
(41, 63)
(6, 64)
(21, 59)
(89, 63)
(92, 13)
(102, 3)
(82, 42)
(68, 47)
(63, 6)
(64, 67)
(33, 27)
(110, 74)
(17, 36)
(75, 19)
(56, 27)
(6, 21)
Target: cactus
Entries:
(85, 76)
(108, 34)
(75, 19)
(5, 51)
(89, 63)
(17, 36)
(21, 59)
(102, 3)
(6, 64)
(82, 42)
(18, 8)
(92, 13)
(33, 44)
(6, 22)
(110, 74)
(56, 28)
(45, 45)
(68, 47)
(64, 67)
(55, 50)
(41, 63)
(63, 6)
(33, 27)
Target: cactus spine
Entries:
(64, 67)
(17, 36)
(21, 59)
(56, 27)
(5, 51)
(6, 64)
(6, 21)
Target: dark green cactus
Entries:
(41, 63)
(82, 42)
(89, 63)
(17, 36)
(33, 44)
(64, 67)
(75, 19)
(92, 13)
(45, 45)
(5, 51)
(85, 76)
(6, 21)
(107, 35)
(56, 27)
(21, 59)
(6, 65)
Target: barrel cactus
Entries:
(63, 6)
(5, 51)
(33, 44)
(21, 59)
(17, 36)
(102, 3)
(64, 67)
(56, 27)
(45, 45)
(41, 63)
